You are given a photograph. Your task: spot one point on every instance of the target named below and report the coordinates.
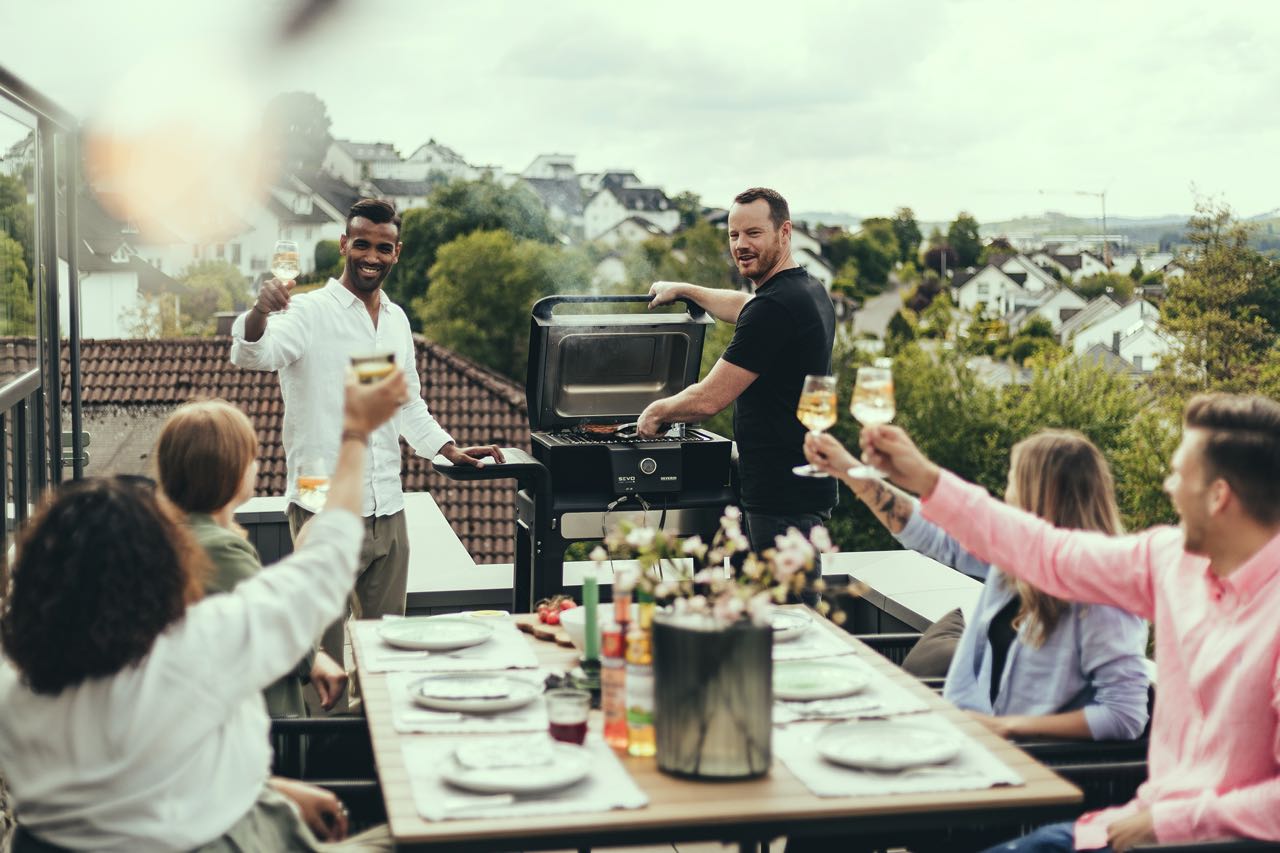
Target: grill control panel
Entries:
(645, 467)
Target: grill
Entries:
(590, 370)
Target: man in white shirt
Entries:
(309, 339)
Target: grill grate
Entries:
(569, 438)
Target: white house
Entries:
(632, 230)
(403, 194)
(434, 161)
(1036, 278)
(612, 205)
(551, 166)
(610, 272)
(1145, 346)
(1098, 309)
(1046, 261)
(991, 287)
(1063, 304)
(563, 199)
(814, 264)
(1126, 319)
(354, 161)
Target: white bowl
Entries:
(574, 621)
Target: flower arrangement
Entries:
(728, 581)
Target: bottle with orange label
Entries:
(613, 665)
(639, 686)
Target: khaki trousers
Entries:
(382, 573)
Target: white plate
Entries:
(788, 624)
(435, 633)
(474, 693)
(569, 764)
(885, 745)
(805, 680)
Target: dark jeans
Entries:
(762, 530)
(1054, 838)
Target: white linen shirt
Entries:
(168, 754)
(310, 344)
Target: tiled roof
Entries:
(475, 404)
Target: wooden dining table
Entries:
(747, 813)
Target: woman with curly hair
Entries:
(131, 716)
(1030, 664)
(206, 458)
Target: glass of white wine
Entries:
(872, 405)
(817, 411)
(284, 260)
(313, 485)
(372, 366)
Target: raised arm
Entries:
(895, 509)
(267, 336)
(723, 304)
(1075, 565)
(248, 638)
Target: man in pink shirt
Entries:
(1209, 586)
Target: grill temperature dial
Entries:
(648, 466)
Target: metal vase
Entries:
(713, 697)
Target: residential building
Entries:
(615, 203)
(632, 230)
(355, 161)
(1035, 277)
(997, 291)
(1099, 308)
(130, 387)
(1124, 320)
(402, 193)
(1063, 303)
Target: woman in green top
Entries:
(207, 461)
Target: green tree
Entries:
(1120, 287)
(873, 250)
(907, 232)
(17, 309)
(699, 255)
(328, 260)
(17, 219)
(483, 287)
(1222, 312)
(210, 287)
(690, 206)
(155, 316)
(300, 123)
(455, 210)
(964, 240)
(1137, 272)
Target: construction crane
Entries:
(1102, 197)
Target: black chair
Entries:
(895, 647)
(333, 753)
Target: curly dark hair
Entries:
(101, 570)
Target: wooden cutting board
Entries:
(528, 622)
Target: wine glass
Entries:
(284, 260)
(817, 411)
(872, 405)
(313, 485)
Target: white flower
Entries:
(641, 537)
(786, 563)
(697, 604)
(599, 554)
(760, 607)
(693, 547)
(821, 539)
(732, 513)
(728, 608)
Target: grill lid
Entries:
(605, 368)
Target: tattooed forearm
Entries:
(892, 507)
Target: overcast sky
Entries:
(846, 106)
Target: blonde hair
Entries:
(202, 454)
(1062, 477)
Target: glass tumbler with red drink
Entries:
(567, 711)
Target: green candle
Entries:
(591, 601)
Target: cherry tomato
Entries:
(553, 617)
(568, 604)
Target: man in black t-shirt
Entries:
(784, 331)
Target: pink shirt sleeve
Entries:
(1073, 564)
